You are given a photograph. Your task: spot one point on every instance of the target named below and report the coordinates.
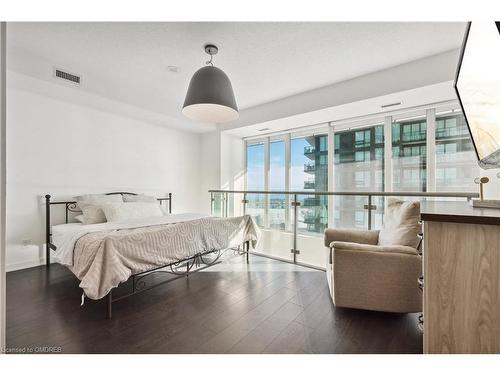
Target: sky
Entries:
(255, 165)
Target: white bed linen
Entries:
(64, 236)
(58, 231)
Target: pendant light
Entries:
(210, 96)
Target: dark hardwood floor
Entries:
(262, 307)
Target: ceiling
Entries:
(265, 61)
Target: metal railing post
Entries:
(211, 204)
(244, 201)
(295, 205)
(369, 212)
(226, 204)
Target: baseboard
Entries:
(9, 267)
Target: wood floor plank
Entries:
(254, 298)
(318, 306)
(227, 338)
(262, 335)
(294, 339)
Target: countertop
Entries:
(458, 212)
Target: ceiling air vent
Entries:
(71, 77)
(390, 105)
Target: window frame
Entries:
(428, 115)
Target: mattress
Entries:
(59, 231)
(64, 236)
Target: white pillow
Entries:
(97, 199)
(131, 210)
(139, 198)
(79, 218)
(93, 214)
(401, 223)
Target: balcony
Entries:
(452, 133)
(311, 202)
(310, 152)
(414, 137)
(310, 218)
(309, 167)
(310, 184)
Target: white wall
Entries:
(210, 159)
(222, 166)
(233, 170)
(66, 149)
(232, 162)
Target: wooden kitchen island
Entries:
(461, 278)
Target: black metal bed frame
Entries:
(138, 284)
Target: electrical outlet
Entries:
(27, 242)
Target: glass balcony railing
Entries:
(309, 150)
(311, 201)
(311, 218)
(293, 222)
(413, 137)
(451, 133)
(311, 184)
(309, 167)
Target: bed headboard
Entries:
(71, 206)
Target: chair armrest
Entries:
(351, 235)
(394, 249)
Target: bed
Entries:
(105, 255)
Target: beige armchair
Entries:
(365, 274)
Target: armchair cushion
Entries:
(351, 235)
(401, 224)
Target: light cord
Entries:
(209, 62)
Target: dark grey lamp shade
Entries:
(210, 97)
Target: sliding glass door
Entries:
(359, 166)
(409, 152)
(309, 172)
(309, 166)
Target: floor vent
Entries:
(71, 77)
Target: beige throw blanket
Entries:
(104, 259)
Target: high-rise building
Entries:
(315, 212)
(359, 163)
